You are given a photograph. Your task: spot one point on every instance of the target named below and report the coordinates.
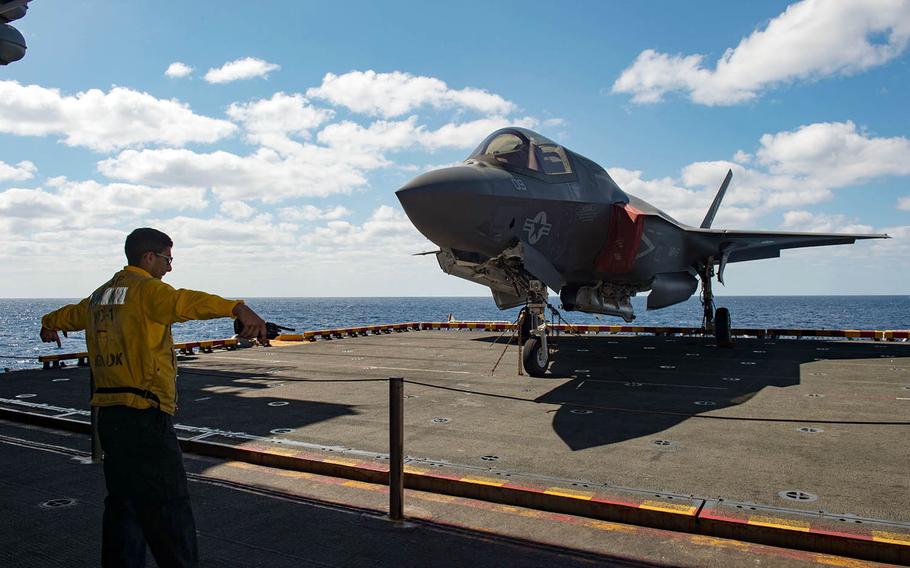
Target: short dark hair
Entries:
(144, 240)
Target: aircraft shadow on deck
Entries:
(208, 397)
(629, 387)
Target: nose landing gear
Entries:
(532, 332)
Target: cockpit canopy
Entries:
(521, 149)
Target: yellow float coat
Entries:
(127, 323)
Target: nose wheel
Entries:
(534, 357)
(532, 332)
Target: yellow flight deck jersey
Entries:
(127, 324)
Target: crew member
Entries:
(127, 323)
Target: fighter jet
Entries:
(522, 214)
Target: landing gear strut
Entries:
(532, 331)
(715, 322)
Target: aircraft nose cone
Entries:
(442, 203)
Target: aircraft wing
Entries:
(740, 246)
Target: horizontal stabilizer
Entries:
(740, 246)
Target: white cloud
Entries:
(246, 68)
(22, 171)
(313, 213)
(310, 171)
(792, 169)
(393, 94)
(104, 121)
(247, 236)
(178, 69)
(67, 205)
(295, 169)
(904, 203)
(387, 233)
(805, 221)
(402, 134)
(270, 121)
(896, 248)
(835, 154)
(741, 157)
(237, 209)
(810, 40)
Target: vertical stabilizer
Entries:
(709, 218)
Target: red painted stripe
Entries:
(597, 499)
(706, 514)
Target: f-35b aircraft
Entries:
(523, 214)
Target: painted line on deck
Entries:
(369, 368)
(658, 384)
(245, 359)
(892, 383)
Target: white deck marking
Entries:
(660, 384)
(418, 370)
(244, 359)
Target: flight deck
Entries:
(804, 439)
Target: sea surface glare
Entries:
(20, 319)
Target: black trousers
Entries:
(147, 497)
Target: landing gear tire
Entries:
(534, 359)
(722, 328)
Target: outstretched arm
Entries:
(73, 317)
(167, 305)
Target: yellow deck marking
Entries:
(560, 492)
(718, 542)
(483, 481)
(678, 509)
(841, 561)
(363, 485)
(414, 470)
(281, 452)
(778, 523)
(285, 342)
(891, 538)
(606, 526)
(296, 474)
(436, 497)
(341, 461)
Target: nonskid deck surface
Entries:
(250, 515)
(788, 425)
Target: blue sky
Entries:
(273, 153)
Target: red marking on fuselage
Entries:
(623, 239)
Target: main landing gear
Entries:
(714, 321)
(532, 331)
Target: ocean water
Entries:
(20, 319)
